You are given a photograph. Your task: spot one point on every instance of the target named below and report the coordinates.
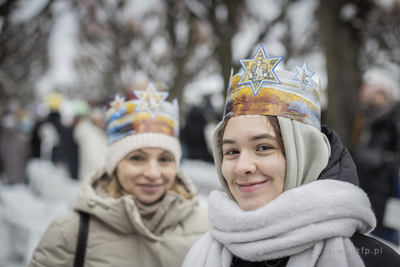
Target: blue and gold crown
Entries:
(262, 90)
(150, 113)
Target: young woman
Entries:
(142, 209)
(290, 195)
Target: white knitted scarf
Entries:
(312, 224)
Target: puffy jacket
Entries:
(117, 235)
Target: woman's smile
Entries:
(250, 187)
(150, 188)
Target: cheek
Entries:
(226, 170)
(126, 171)
(281, 172)
(169, 173)
(223, 169)
(279, 164)
(282, 166)
(120, 171)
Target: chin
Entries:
(148, 200)
(251, 206)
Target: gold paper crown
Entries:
(261, 90)
(150, 113)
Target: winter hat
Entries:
(146, 122)
(294, 99)
(53, 101)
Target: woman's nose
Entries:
(245, 164)
(152, 171)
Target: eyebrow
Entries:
(166, 153)
(228, 141)
(143, 152)
(262, 136)
(251, 139)
(139, 150)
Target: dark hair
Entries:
(273, 120)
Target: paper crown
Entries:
(150, 113)
(261, 90)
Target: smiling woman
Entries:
(289, 198)
(143, 210)
(253, 164)
(146, 173)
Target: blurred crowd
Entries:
(71, 134)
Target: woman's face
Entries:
(253, 164)
(147, 173)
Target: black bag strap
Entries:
(82, 239)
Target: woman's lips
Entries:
(150, 188)
(250, 187)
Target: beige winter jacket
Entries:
(117, 236)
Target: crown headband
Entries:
(150, 113)
(262, 90)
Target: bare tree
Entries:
(340, 23)
(180, 42)
(22, 53)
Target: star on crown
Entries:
(151, 100)
(258, 70)
(304, 75)
(118, 104)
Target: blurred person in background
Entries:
(14, 143)
(193, 133)
(53, 140)
(376, 151)
(291, 196)
(48, 135)
(143, 210)
(71, 149)
(90, 136)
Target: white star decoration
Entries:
(304, 75)
(151, 100)
(118, 103)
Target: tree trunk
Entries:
(342, 44)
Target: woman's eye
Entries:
(231, 152)
(166, 159)
(263, 148)
(136, 158)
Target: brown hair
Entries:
(273, 120)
